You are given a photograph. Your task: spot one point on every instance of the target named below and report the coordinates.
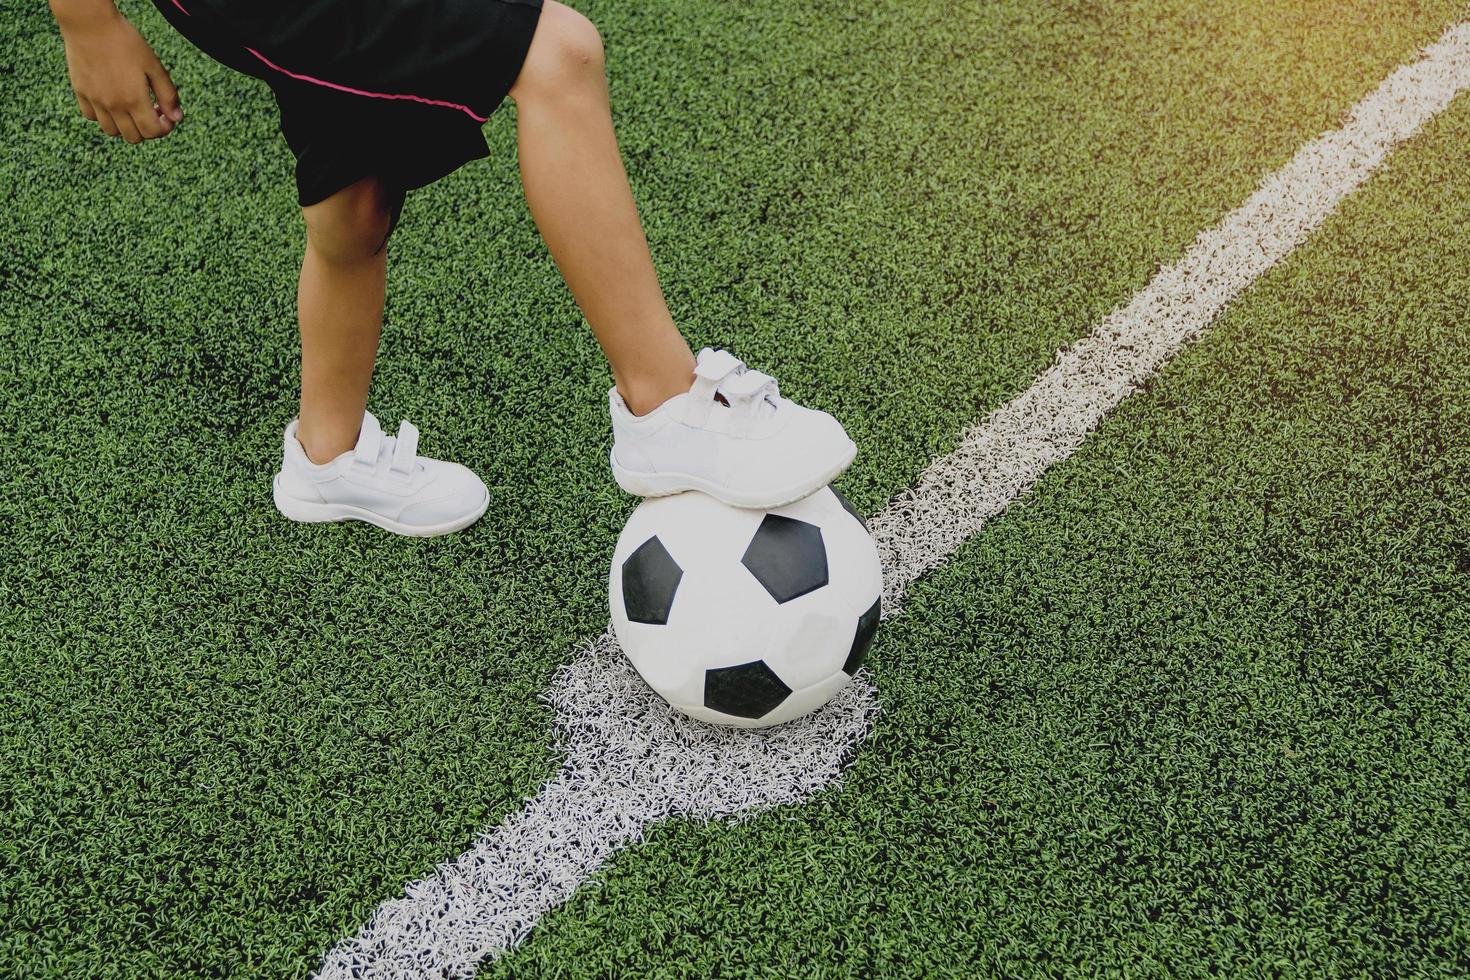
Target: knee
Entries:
(566, 52)
(352, 224)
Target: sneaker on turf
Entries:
(732, 436)
(381, 480)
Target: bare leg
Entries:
(340, 303)
(579, 196)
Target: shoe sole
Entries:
(310, 512)
(641, 484)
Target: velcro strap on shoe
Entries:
(712, 368)
(369, 442)
(748, 395)
(746, 385)
(714, 365)
(406, 450)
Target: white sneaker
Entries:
(383, 481)
(731, 436)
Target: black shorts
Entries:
(396, 89)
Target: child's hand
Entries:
(113, 71)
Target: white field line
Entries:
(631, 762)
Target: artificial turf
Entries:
(1200, 706)
(1199, 702)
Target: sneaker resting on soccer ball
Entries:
(732, 436)
(382, 480)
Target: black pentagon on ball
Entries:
(787, 556)
(745, 690)
(867, 625)
(847, 506)
(650, 579)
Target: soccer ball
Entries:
(745, 617)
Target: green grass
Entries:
(1199, 701)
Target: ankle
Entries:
(324, 444)
(644, 395)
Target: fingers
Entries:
(126, 128)
(104, 119)
(138, 118)
(132, 126)
(165, 93)
(138, 121)
(147, 121)
(150, 122)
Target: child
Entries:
(378, 97)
